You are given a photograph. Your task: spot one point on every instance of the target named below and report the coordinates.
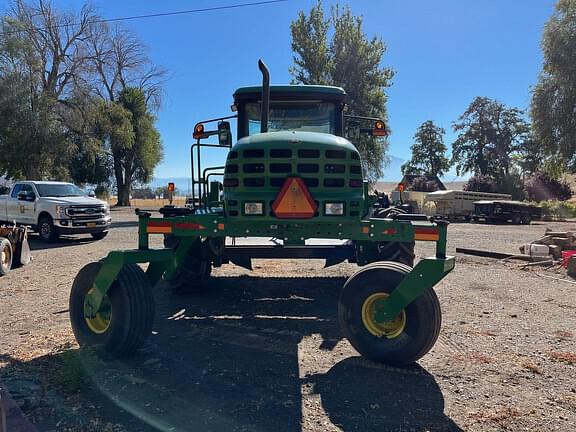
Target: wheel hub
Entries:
(101, 320)
(389, 329)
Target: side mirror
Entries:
(92, 194)
(22, 196)
(224, 134)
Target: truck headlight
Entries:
(61, 212)
(334, 209)
(253, 208)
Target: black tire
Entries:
(46, 230)
(422, 318)
(526, 219)
(131, 305)
(99, 235)
(397, 251)
(171, 241)
(516, 219)
(6, 256)
(194, 274)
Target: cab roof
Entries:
(292, 92)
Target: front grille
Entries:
(86, 212)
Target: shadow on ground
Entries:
(229, 360)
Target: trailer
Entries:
(14, 248)
(515, 212)
(454, 204)
(292, 175)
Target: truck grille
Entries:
(86, 212)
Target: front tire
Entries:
(6, 256)
(99, 235)
(46, 230)
(400, 341)
(124, 320)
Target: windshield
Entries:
(59, 190)
(293, 116)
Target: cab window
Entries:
(293, 116)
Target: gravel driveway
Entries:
(261, 351)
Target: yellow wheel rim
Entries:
(389, 329)
(101, 321)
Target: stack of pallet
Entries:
(556, 241)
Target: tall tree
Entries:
(489, 134)
(554, 96)
(127, 127)
(336, 51)
(428, 151)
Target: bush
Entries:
(557, 210)
(102, 192)
(4, 190)
(542, 187)
(512, 185)
(480, 183)
(143, 193)
(422, 184)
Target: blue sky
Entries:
(444, 52)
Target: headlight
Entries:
(106, 209)
(61, 212)
(334, 209)
(253, 208)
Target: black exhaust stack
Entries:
(265, 96)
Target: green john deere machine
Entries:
(291, 176)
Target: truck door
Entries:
(21, 210)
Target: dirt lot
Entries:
(261, 351)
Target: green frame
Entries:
(164, 263)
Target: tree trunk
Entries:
(123, 194)
(122, 185)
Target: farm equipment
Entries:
(14, 249)
(291, 176)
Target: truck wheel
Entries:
(396, 251)
(46, 230)
(124, 320)
(516, 219)
(99, 235)
(6, 256)
(526, 219)
(400, 341)
(193, 275)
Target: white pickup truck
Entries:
(55, 208)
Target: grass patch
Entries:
(70, 373)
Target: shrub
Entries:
(557, 210)
(480, 183)
(143, 193)
(102, 192)
(542, 187)
(422, 184)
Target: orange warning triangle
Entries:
(294, 200)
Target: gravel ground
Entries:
(261, 350)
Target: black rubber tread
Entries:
(526, 219)
(99, 235)
(193, 276)
(5, 268)
(171, 241)
(516, 219)
(53, 234)
(132, 310)
(423, 316)
(401, 252)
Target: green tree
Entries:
(127, 128)
(554, 96)
(336, 51)
(489, 133)
(428, 151)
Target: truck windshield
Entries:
(59, 190)
(293, 116)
